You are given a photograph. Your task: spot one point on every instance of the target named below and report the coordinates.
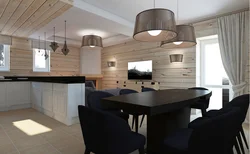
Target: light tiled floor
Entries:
(30, 132)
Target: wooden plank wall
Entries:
(21, 60)
(170, 75)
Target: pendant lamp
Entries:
(92, 41)
(155, 25)
(46, 56)
(185, 39)
(65, 49)
(53, 44)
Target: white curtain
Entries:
(233, 34)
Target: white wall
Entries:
(90, 61)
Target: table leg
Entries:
(159, 126)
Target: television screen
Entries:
(141, 70)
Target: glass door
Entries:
(212, 72)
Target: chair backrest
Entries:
(101, 130)
(88, 90)
(243, 103)
(90, 84)
(215, 134)
(205, 101)
(127, 91)
(94, 99)
(198, 88)
(145, 89)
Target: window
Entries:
(40, 64)
(211, 73)
(4, 57)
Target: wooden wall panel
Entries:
(21, 60)
(170, 75)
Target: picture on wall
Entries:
(141, 70)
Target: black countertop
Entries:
(50, 79)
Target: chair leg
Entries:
(240, 143)
(244, 137)
(141, 150)
(136, 123)
(203, 112)
(133, 121)
(87, 151)
(236, 145)
(142, 119)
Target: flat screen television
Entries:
(141, 70)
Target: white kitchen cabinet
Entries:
(47, 98)
(59, 101)
(36, 96)
(2, 96)
(47, 102)
(36, 99)
(18, 95)
(60, 104)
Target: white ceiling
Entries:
(189, 10)
(80, 23)
(113, 20)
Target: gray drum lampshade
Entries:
(92, 41)
(186, 35)
(176, 58)
(159, 22)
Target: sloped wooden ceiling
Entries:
(23, 17)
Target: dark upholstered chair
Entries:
(206, 135)
(202, 104)
(88, 90)
(145, 89)
(94, 101)
(135, 115)
(90, 84)
(104, 133)
(241, 102)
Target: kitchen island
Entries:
(56, 97)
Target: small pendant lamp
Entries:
(92, 41)
(53, 44)
(65, 49)
(46, 55)
(185, 39)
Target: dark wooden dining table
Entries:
(166, 110)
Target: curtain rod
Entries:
(218, 16)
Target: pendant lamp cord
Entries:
(154, 4)
(39, 44)
(45, 41)
(177, 21)
(65, 30)
(54, 34)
